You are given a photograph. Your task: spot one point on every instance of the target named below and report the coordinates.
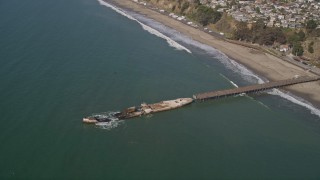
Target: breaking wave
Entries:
(186, 40)
(171, 42)
(234, 84)
(231, 64)
(296, 100)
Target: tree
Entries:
(270, 35)
(293, 39)
(233, 2)
(257, 29)
(317, 33)
(205, 15)
(217, 7)
(310, 47)
(259, 25)
(197, 2)
(274, 10)
(311, 25)
(258, 10)
(266, 38)
(282, 10)
(242, 31)
(279, 36)
(184, 6)
(173, 8)
(297, 37)
(297, 49)
(301, 35)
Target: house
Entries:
(292, 25)
(284, 48)
(203, 1)
(223, 4)
(292, 19)
(270, 24)
(285, 25)
(298, 25)
(221, 9)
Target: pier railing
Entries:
(254, 88)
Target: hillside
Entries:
(182, 7)
(314, 43)
(226, 25)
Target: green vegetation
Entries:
(173, 8)
(259, 33)
(311, 25)
(311, 28)
(205, 15)
(273, 36)
(184, 7)
(296, 37)
(232, 3)
(297, 49)
(310, 47)
(197, 2)
(242, 32)
(257, 10)
(224, 25)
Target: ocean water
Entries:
(63, 60)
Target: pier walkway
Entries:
(254, 88)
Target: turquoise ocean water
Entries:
(63, 60)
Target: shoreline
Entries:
(263, 64)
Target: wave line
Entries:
(171, 42)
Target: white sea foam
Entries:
(171, 42)
(113, 123)
(109, 125)
(155, 28)
(234, 84)
(226, 61)
(178, 37)
(296, 100)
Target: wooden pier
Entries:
(254, 88)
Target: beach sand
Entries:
(265, 65)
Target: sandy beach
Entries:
(265, 65)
